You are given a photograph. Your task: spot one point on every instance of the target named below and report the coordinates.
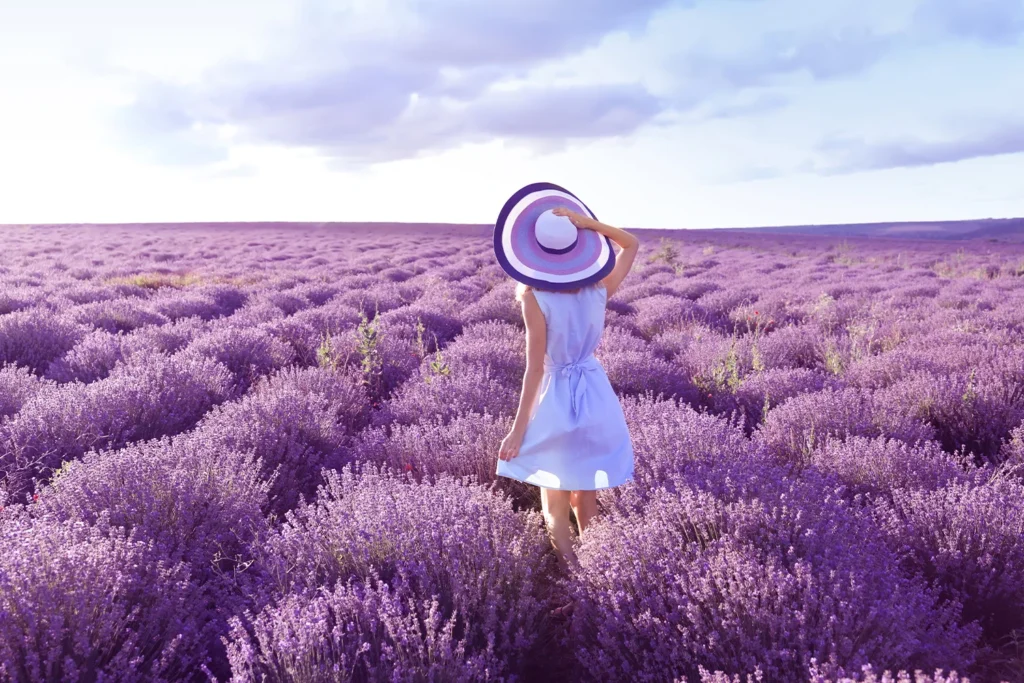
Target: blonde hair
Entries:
(521, 289)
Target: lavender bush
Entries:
(760, 583)
(92, 359)
(975, 410)
(759, 392)
(248, 353)
(878, 466)
(158, 396)
(191, 502)
(35, 338)
(357, 631)
(435, 392)
(463, 447)
(440, 577)
(296, 422)
(794, 429)
(675, 445)
(17, 386)
(116, 315)
(90, 602)
(968, 541)
(499, 348)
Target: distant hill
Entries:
(991, 229)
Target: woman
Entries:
(569, 436)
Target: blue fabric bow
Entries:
(576, 368)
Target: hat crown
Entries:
(554, 232)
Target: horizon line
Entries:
(491, 225)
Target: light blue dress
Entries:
(577, 438)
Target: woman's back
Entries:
(575, 322)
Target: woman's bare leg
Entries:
(555, 504)
(584, 506)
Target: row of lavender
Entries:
(828, 441)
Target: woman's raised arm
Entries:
(628, 243)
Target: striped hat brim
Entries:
(588, 259)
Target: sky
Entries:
(656, 113)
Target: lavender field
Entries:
(267, 453)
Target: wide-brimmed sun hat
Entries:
(538, 248)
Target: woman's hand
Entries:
(510, 445)
(580, 221)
